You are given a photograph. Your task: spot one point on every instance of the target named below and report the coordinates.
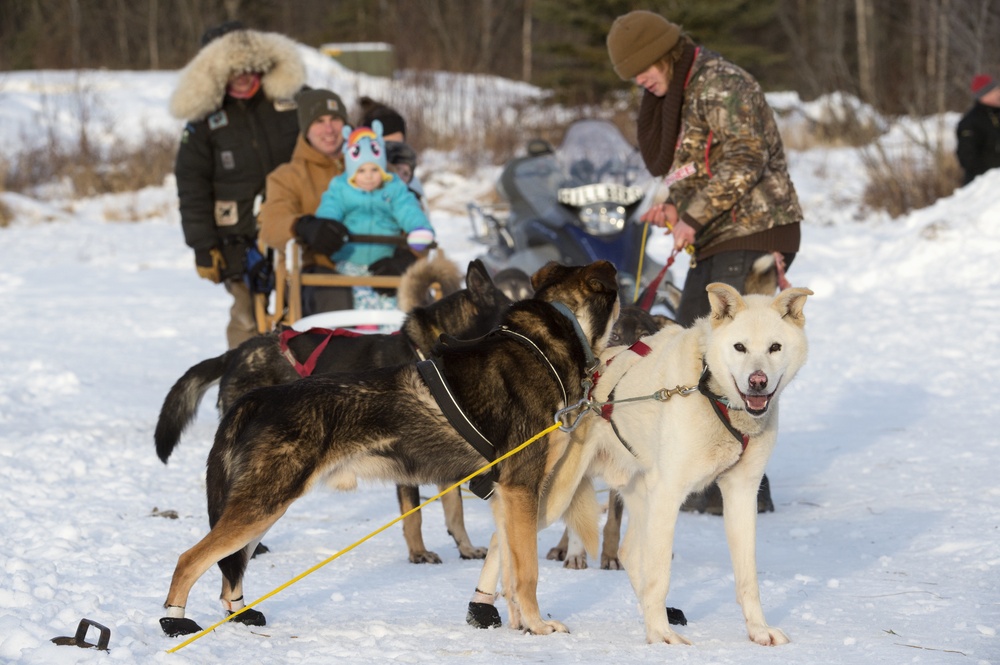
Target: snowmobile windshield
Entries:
(530, 184)
(594, 151)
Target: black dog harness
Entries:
(483, 484)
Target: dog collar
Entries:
(721, 406)
(568, 313)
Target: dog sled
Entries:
(281, 304)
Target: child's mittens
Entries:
(420, 239)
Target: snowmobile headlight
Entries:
(602, 219)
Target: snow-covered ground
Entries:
(884, 547)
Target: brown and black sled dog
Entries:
(258, 362)
(385, 425)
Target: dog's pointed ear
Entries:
(789, 304)
(602, 276)
(477, 277)
(546, 273)
(726, 302)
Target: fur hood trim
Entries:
(201, 86)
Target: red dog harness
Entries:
(719, 404)
(306, 369)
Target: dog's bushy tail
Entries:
(763, 277)
(181, 404)
(418, 279)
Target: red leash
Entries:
(649, 295)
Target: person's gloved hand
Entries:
(322, 236)
(419, 239)
(209, 263)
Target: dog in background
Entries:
(633, 323)
(275, 442)
(514, 282)
(260, 361)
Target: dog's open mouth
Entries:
(756, 405)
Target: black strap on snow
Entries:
(481, 485)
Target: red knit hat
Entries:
(982, 83)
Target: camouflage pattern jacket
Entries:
(732, 184)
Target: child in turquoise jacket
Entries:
(370, 201)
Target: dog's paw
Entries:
(556, 554)
(546, 627)
(576, 562)
(472, 552)
(424, 557)
(174, 627)
(766, 635)
(250, 617)
(483, 615)
(668, 636)
(611, 563)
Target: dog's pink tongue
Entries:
(757, 402)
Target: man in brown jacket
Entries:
(294, 190)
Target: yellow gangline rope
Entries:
(638, 271)
(374, 533)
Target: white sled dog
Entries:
(707, 410)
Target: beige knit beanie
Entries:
(638, 39)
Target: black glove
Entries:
(393, 265)
(322, 236)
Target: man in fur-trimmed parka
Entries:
(236, 95)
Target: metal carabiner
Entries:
(584, 404)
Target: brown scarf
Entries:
(660, 118)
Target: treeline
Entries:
(903, 56)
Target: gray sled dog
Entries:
(260, 361)
(275, 442)
(709, 413)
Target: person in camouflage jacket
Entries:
(705, 126)
(236, 96)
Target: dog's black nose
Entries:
(758, 380)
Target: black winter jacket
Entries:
(979, 140)
(230, 145)
(222, 165)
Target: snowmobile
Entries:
(574, 205)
